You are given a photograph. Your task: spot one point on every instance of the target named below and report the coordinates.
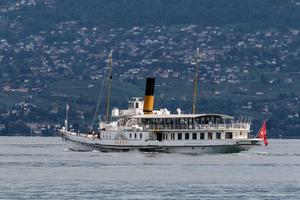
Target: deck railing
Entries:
(131, 126)
(239, 123)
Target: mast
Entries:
(66, 121)
(195, 83)
(109, 64)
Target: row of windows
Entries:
(182, 136)
(194, 136)
(133, 105)
(135, 136)
(131, 136)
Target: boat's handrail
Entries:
(228, 126)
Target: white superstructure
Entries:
(139, 127)
(166, 132)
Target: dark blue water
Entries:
(42, 168)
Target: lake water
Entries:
(42, 168)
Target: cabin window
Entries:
(210, 136)
(141, 136)
(130, 135)
(173, 136)
(179, 136)
(218, 135)
(187, 136)
(241, 133)
(137, 105)
(194, 136)
(202, 136)
(163, 136)
(228, 135)
(158, 136)
(135, 136)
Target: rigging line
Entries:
(100, 96)
(98, 104)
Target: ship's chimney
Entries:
(149, 96)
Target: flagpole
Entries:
(260, 129)
(66, 121)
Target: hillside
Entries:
(54, 52)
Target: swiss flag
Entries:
(263, 133)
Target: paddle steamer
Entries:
(141, 128)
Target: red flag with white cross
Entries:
(263, 133)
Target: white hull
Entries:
(77, 143)
(79, 146)
(141, 128)
(210, 149)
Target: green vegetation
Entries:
(52, 53)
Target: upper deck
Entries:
(188, 121)
(185, 116)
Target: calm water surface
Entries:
(42, 168)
